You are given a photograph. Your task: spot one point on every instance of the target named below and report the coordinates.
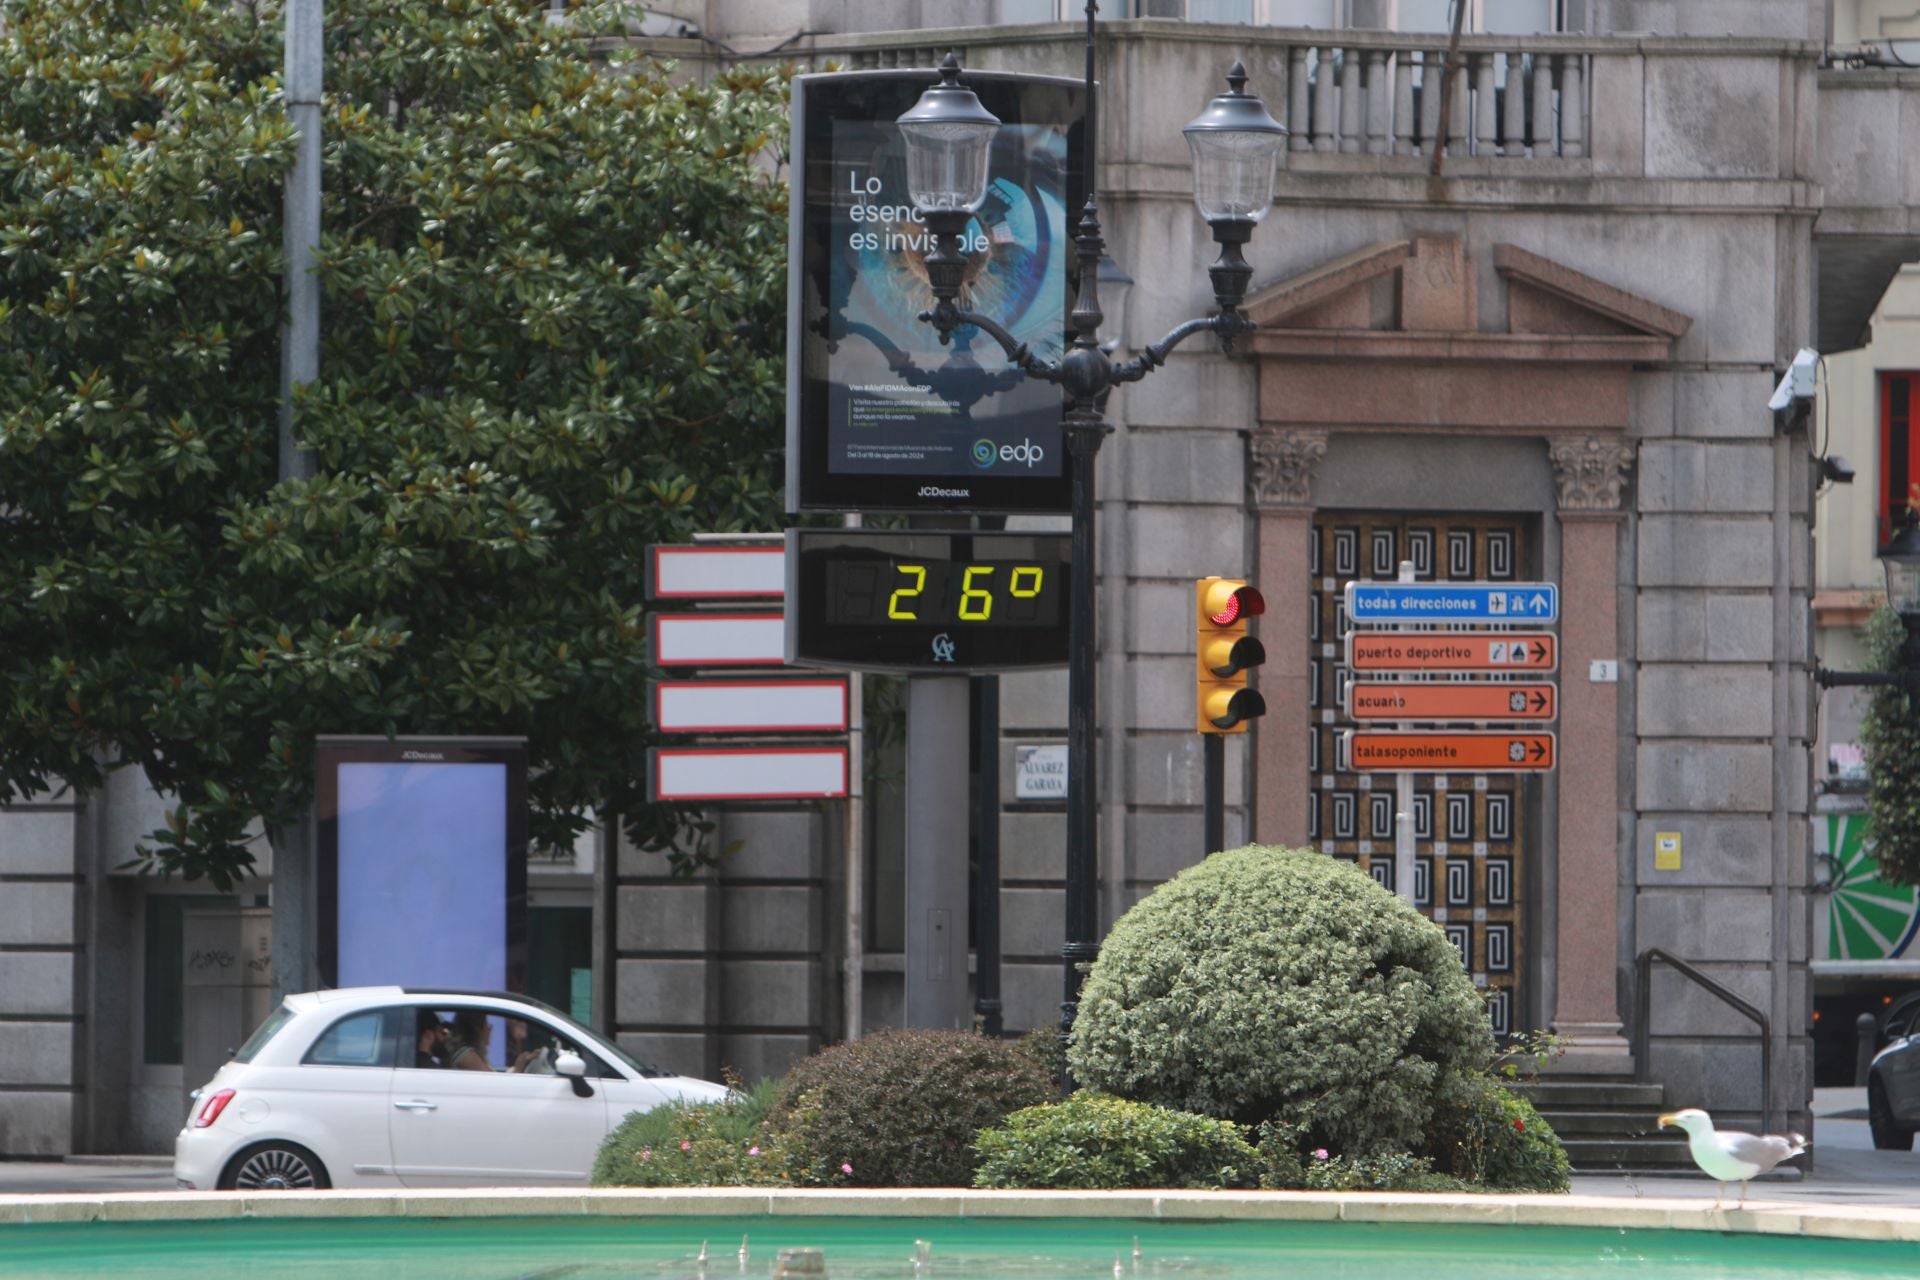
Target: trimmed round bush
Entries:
(901, 1108)
(1094, 1140)
(1281, 984)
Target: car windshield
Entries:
(263, 1033)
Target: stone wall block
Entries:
(769, 993)
(1030, 995)
(1166, 769)
(764, 1057)
(1033, 700)
(1739, 477)
(37, 1124)
(1705, 701)
(662, 917)
(1672, 626)
(1618, 134)
(1703, 925)
(1163, 843)
(1033, 846)
(36, 982)
(1032, 921)
(684, 1053)
(1739, 628)
(1716, 852)
(769, 918)
(36, 1053)
(1163, 692)
(1160, 615)
(1723, 402)
(662, 992)
(1682, 1007)
(1671, 476)
(1712, 117)
(1651, 399)
(1169, 542)
(36, 843)
(1703, 777)
(772, 844)
(36, 914)
(1705, 551)
(1718, 1075)
(1186, 466)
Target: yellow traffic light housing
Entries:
(1224, 653)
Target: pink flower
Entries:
(686, 1146)
(753, 1151)
(846, 1168)
(646, 1153)
(1319, 1153)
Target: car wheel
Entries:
(275, 1166)
(1888, 1133)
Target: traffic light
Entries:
(1224, 653)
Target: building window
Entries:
(1493, 17)
(1899, 450)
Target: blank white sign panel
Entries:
(706, 706)
(707, 572)
(771, 773)
(699, 639)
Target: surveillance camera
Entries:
(1800, 382)
(1836, 469)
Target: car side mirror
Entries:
(571, 1065)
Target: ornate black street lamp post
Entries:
(1235, 145)
(1900, 558)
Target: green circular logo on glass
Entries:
(1867, 918)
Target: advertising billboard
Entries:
(880, 415)
(422, 866)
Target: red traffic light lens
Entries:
(1226, 616)
(1242, 600)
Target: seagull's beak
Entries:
(1669, 1119)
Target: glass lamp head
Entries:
(1901, 560)
(949, 135)
(1235, 146)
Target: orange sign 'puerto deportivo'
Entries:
(1501, 651)
(1374, 700)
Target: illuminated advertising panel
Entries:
(881, 415)
(422, 862)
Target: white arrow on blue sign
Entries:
(1487, 602)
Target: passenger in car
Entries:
(430, 1040)
(472, 1033)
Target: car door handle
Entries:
(416, 1105)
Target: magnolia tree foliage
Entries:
(1890, 736)
(1270, 984)
(553, 300)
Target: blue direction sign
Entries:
(1484, 602)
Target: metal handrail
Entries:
(1643, 1029)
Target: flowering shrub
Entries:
(1487, 1134)
(900, 1108)
(1093, 1141)
(712, 1144)
(1281, 984)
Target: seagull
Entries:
(1729, 1156)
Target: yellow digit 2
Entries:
(1033, 588)
(918, 572)
(976, 603)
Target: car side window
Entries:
(357, 1040)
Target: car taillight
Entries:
(210, 1109)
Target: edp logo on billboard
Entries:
(1027, 453)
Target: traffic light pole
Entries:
(1214, 818)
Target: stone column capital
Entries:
(1281, 465)
(1589, 471)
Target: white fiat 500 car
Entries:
(402, 1087)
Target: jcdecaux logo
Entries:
(986, 453)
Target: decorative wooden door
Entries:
(1470, 829)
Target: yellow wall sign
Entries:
(1666, 851)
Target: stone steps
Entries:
(1608, 1124)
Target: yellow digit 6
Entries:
(1029, 592)
(918, 572)
(975, 598)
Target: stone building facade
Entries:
(1551, 358)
